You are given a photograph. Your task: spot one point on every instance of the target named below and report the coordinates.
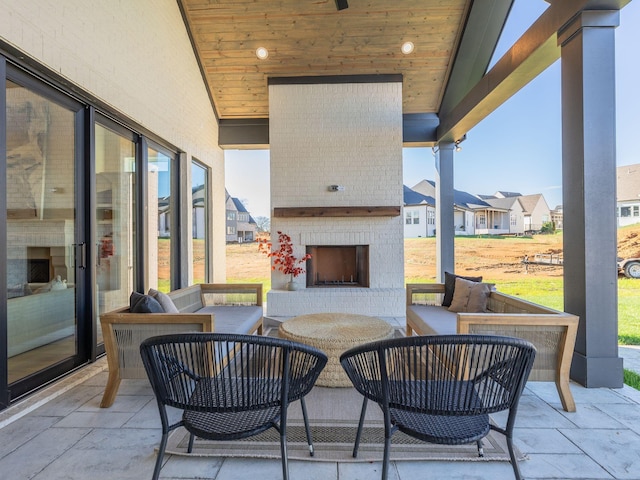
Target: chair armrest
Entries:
(233, 288)
(139, 327)
(554, 335)
(423, 288)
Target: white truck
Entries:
(629, 267)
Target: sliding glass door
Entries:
(45, 249)
(115, 211)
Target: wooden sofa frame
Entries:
(551, 331)
(123, 331)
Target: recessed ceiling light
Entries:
(407, 48)
(262, 53)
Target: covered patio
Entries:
(234, 101)
(75, 439)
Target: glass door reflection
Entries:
(115, 210)
(41, 233)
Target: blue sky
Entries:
(517, 148)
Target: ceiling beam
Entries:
(532, 53)
(481, 33)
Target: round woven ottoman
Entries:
(334, 333)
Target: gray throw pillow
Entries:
(164, 300)
(450, 286)
(470, 297)
(139, 303)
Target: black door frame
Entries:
(83, 308)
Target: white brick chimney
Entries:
(346, 134)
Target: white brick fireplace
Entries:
(346, 134)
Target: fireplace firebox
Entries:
(338, 266)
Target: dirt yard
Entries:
(498, 258)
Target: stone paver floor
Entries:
(61, 433)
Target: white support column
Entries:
(589, 194)
(445, 232)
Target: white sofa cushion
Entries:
(436, 319)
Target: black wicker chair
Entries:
(441, 389)
(229, 386)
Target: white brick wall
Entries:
(349, 135)
(136, 56)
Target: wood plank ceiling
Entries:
(314, 38)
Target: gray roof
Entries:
(460, 198)
(529, 202)
(502, 203)
(411, 197)
(507, 194)
(239, 205)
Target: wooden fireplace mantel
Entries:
(381, 211)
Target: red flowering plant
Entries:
(283, 258)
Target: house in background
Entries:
(536, 212)
(471, 214)
(198, 203)
(556, 217)
(419, 214)
(628, 196)
(241, 227)
(526, 213)
(503, 213)
(506, 215)
(464, 207)
(164, 217)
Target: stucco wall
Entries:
(135, 56)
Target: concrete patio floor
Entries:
(61, 433)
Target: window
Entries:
(412, 217)
(115, 152)
(231, 230)
(636, 210)
(482, 220)
(514, 220)
(231, 215)
(159, 180)
(431, 217)
(625, 211)
(199, 221)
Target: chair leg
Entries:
(480, 444)
(512, 455)
(192, 437)
(283, 455)
(360, 423)
(385, 458)
(161, 449)
(111, 390)
(307, 429)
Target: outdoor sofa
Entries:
(221, 308)
(551, 331)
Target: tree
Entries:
(548, 227)
(263, 224)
